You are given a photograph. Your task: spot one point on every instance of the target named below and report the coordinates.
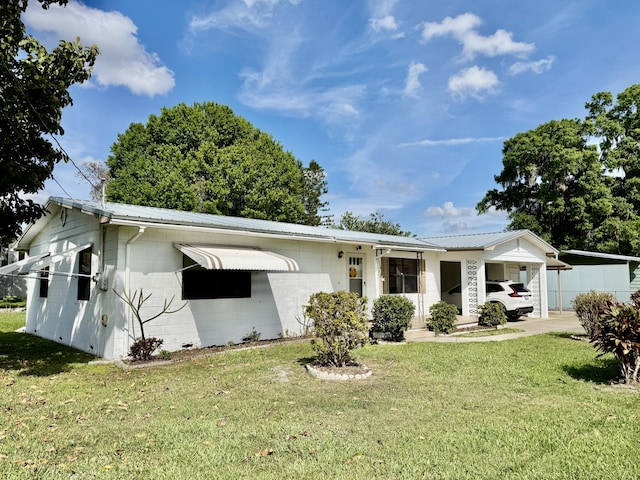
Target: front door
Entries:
(356, 275)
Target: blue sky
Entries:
(405, 104)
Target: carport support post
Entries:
(559, 292)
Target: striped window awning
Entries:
(227, 258)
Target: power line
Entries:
(61, 187)
(44, 126)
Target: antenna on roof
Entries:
(103, 182)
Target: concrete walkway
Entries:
(557, 322)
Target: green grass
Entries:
(488, 333)
(537, 407)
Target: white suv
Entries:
(514, 297)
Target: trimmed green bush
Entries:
(491, 315)
(589, 307)
(443, 317)
(392, 316)
(340, 325)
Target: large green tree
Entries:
(34, 89)
(204, 158)
(374, 223)
(558, 183)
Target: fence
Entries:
(569, 295)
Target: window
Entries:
(199, 283)
(84, 270)
(44, 282)
(403, 275)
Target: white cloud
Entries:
(451, 142)
(539, 66)
(449, 210)
(412, 84)
(123, 61)
(388, 22)
(473, 82)
(464, 29)
(244, 15)
(332, 105)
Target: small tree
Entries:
(392, 316)
(589, 307)
(491, 315)
(618, 333)
(143, 347)
(340, 325)
(443, 317)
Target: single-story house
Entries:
(602, 272)
(235, 275)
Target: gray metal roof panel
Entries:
(120, 211)
(476, 241)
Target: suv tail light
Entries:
(514, 293)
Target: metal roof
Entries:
(608, 256)
(119, 213)
(486, 241)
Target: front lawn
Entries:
(536, 407)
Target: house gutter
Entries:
(127, 280)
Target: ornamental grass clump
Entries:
(392, 316)
(340, 326)
(443, 317)
(491, 315)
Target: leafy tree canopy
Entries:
(34, 88)
(571, 192)
(204, 158)
(375, 223)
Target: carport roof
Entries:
(607, 256)
(488, 241)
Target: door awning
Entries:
(225, 258)
(23, 267)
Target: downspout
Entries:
(127, 282)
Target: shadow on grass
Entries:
(306, 360)
(29, 355)
(605, 370)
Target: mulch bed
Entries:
(203, 352)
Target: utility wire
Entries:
(44, 126)
(61, 187)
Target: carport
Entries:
(517, 255)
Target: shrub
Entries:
(491, 315)
(340, 325)
(143, 348)
(252, 336)
(618, 333)
(589, 307)
(392, 316)
(443, 317)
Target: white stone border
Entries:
(338, 376)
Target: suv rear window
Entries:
(519, 287)
(494, 287)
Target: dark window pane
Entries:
(44, 283)
(410, 284)
(200, 284)
(84, 269)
